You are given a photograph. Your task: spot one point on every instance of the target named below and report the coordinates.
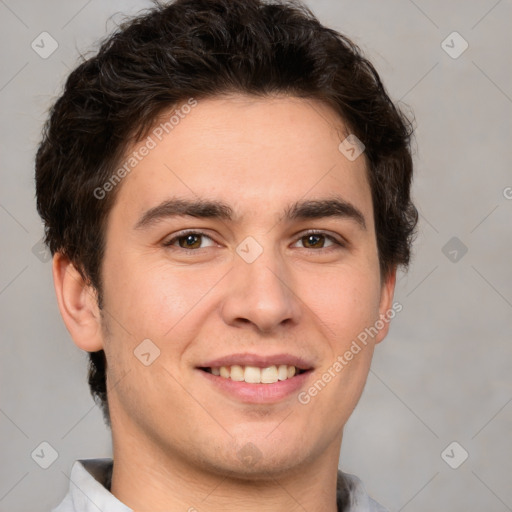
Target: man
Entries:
(225, 188)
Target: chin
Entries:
(249, 461)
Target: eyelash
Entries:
(183, 234)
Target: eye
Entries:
(191, 240)
(188, 240)
(316, 240)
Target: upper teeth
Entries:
(254, 374)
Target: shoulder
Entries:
(356, 497)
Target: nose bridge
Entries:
(262, 290)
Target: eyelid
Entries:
(183, 233)
(337, 241)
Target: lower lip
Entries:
(258, 393)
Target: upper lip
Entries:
(263, 361)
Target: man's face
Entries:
(253, 285)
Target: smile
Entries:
(255, 374)
(262, 386)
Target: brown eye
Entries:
(317, 240)
(190, 240)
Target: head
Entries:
(240, 107)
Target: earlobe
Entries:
(77, 304)
(386, 311)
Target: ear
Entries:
(78, 305)
(386, 310)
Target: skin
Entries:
(176, 438)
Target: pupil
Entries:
(312, 237)
(190, 238)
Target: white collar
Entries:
(89, 485)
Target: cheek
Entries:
(345, 301)
(154, 298)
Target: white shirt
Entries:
(89, 491)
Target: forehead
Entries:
(251, 153)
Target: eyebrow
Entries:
(212, 209)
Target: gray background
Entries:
(442, 375)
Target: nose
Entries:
(261, 293)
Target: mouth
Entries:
(254, 379)
(255, 374)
